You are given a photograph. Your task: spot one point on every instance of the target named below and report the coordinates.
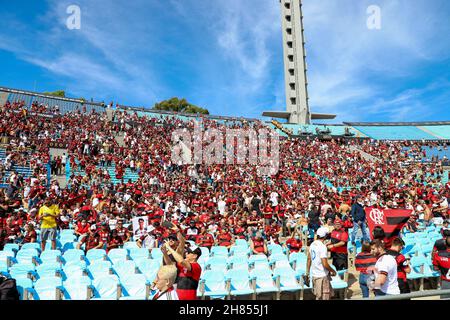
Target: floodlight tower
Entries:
(295, 67)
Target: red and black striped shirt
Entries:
(364, 260)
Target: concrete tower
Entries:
(295, 67)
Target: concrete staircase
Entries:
(62, 180)
(365, 155)
(3, 98)
(431, 133)
(120, 139)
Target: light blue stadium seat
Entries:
(106, 288)
(124, 268)
(336, 281)
(73, 255)
(219, 251)
(130, 245)
(31, 245)
(135, 287)
(260, 264)
(95, 255)
(7, 257)
(293, 256)
(239, 250)
(69, 246)
(205, 252)
(65, 232)
(300, 267)
(427, 249)
(27, 256)
(217, 260)
(241, 243)
(238, 260)
(115, 255)
(99, 268)
(11, 247)
(214, 284)
(67, 238)
(22, 270)
(23, 285)
(156, 253)
(417, 264)
(239, 282)
(136, 253)
(71, 270)
(283, 264)
(265, 282)
(77, 288)
(277, 257)
(289, 281)
(50, 256)
(275, 249)
(149, 268)
(47, 289)
(48, 270)
(4, 267)
(257, 257)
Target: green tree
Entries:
(179, 105)
(59, 93)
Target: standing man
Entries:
(189, 271)
(318, 267)
(338, 246)
(402, 264)
(47, 215)
(359, 220)
(441, 262)
(385, 270)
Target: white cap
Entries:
(322, 232)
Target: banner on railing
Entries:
(392, 221)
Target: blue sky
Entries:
(226, 55)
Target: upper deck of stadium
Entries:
(394, 131)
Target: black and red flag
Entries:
(391, 220)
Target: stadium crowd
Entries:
(320, 184)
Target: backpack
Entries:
(8, 289)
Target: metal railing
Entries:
(414, 295)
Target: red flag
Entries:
(392, 221)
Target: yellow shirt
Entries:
(49, 221)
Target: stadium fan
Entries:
(385, 281)
(189, 271)
(402, 264)
(258, 244)
(318, 268)
(363, 261)
(441, 262)
(338, 246)
(163, 284)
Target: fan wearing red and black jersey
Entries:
(189, 271)
(402, 264)
(441, 262)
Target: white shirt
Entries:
(274, 198)
(221, 206)
(171, 295)
(318, 251)
(387, 264)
